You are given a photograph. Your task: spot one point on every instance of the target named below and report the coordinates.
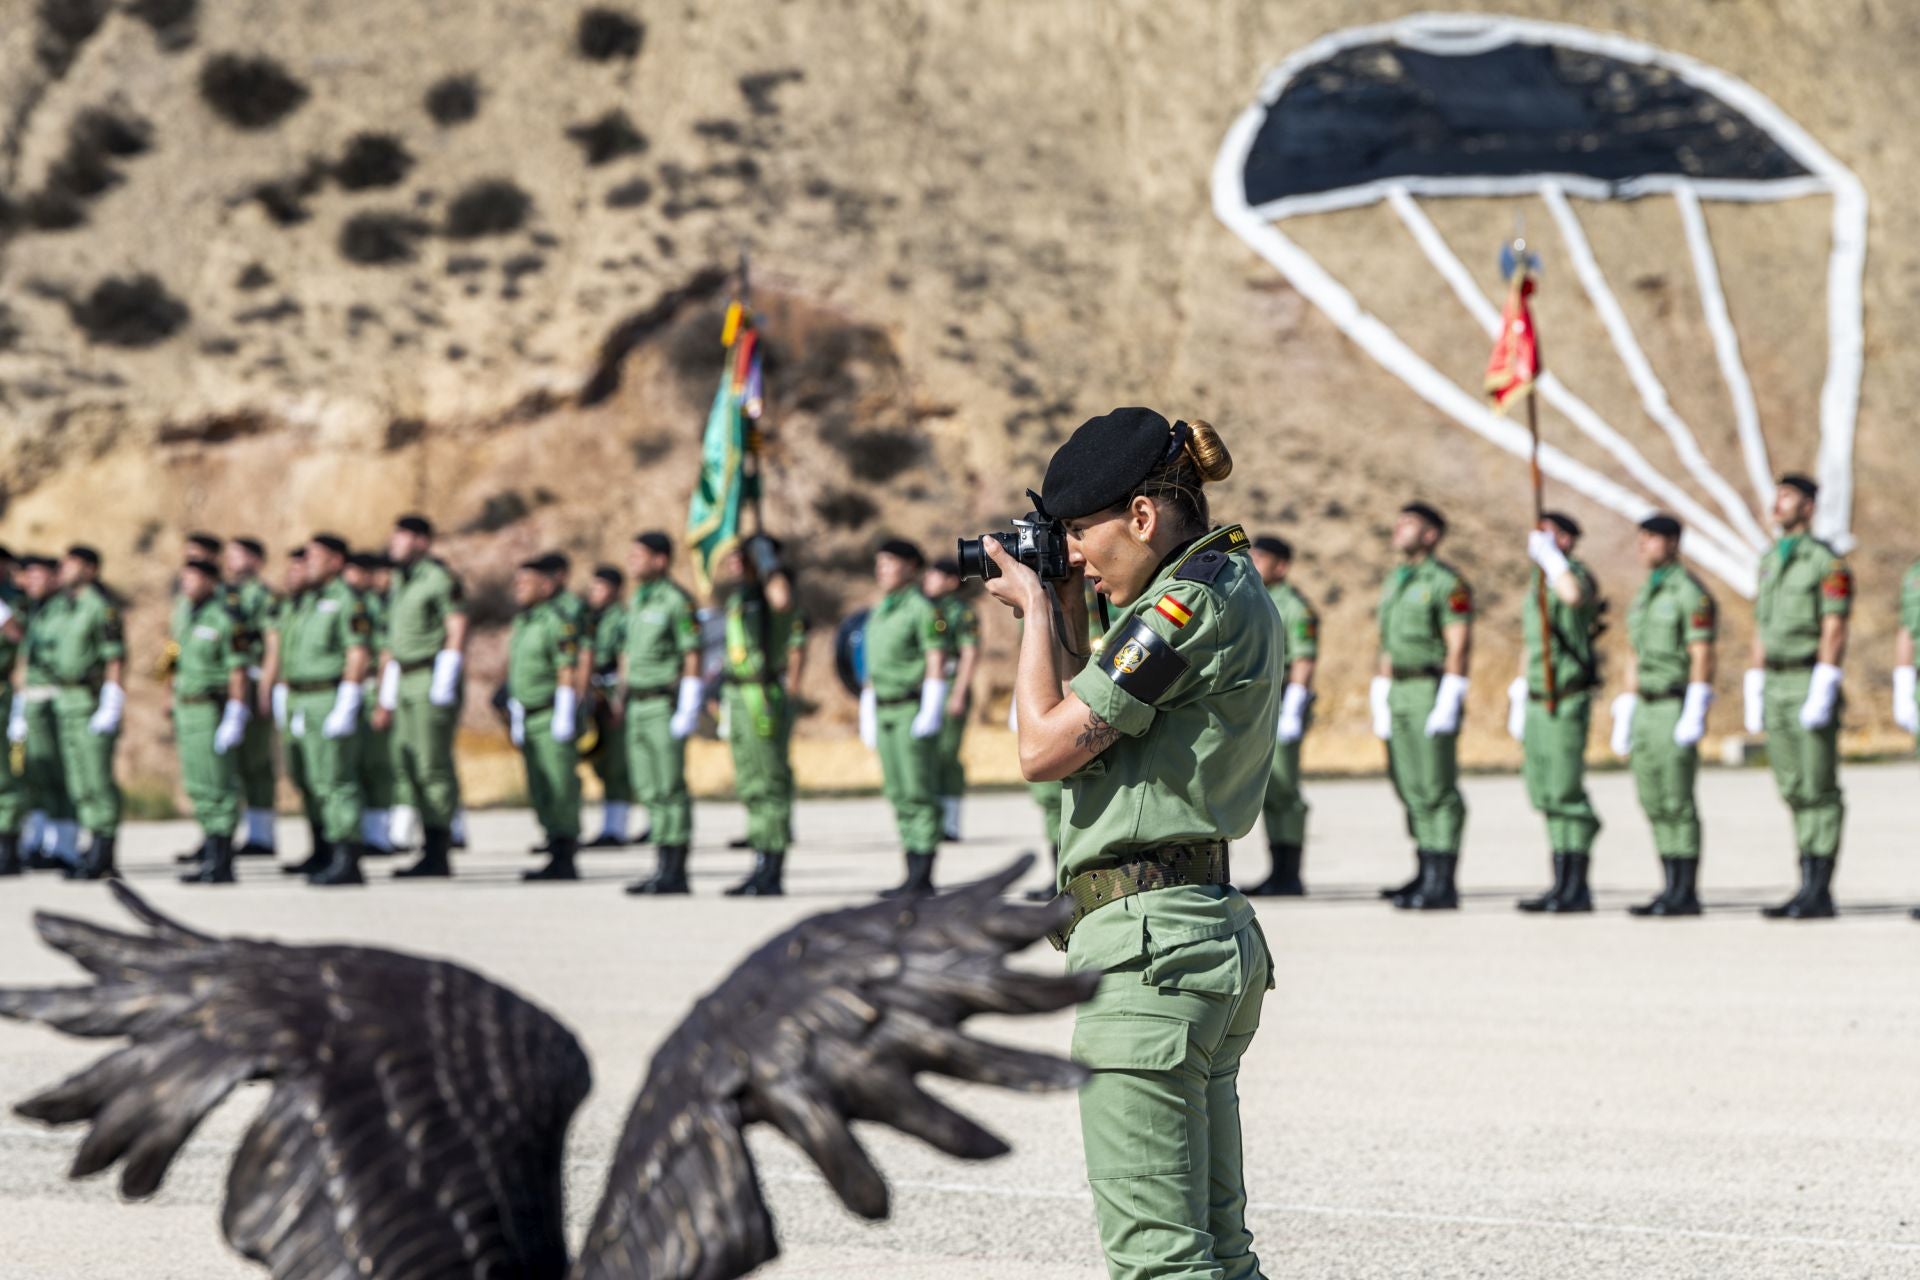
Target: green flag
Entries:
(726, 483)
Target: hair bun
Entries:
(1208, 453)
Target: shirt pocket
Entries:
(1132, 1121)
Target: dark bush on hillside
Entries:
(132, 311)
(491, 207)
(372, 160)
(606, 34)
(249, 92)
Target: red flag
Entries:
(1516, 352)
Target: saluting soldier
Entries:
(421, 687)
(903, 703)
(1426, 620)
(661, 697)
(545, 686)
(88, 659)
(36, 727)
(322, 651)
(362, 573)
(1792, 688)
(607, 627)
(1660, 718)
(1554, 739)
(255, 603)
(13, 787)
(941, 584)
(209, 714)
(766, 651)
(1285, 811)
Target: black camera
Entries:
(1038, 541)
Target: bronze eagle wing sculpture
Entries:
(416, 1124)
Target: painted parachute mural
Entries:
(1435, 106)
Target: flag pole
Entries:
(1539, 519)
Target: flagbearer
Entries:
(88, 659)
(545, 688)
(903, 704)
(1660, 718)
(210, 714)
(766, 651)
(1426, 621)
(1792, 688)
(662, 696)
(941, 584)
(1285, 811)
(255, 603)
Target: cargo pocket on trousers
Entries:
(1134, 1109)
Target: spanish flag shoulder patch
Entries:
(1173, 611)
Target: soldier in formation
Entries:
(86, 656)
(210, 712)
(243, 561)
(13, 787)
(904, 702)
(1285, 810)
(766, 638)
(421, 686)
(546, 685)
(661, 696)
(606, 629)
(941, 584)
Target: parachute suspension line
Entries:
(1701, 522)
(1653, 396)
(1726, 345)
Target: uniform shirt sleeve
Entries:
(1155, 657)
(453, 595)
(233, 655)
(684, 626)
(113, 638)
(1456, 602)
(1910, 601)
(1303, 630)
(1836, 590)
(797, 631)
(566, 640)
(1703, 616)
(356, 623)
(936, 632)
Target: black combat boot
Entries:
(1785, 911)
(559, 862)
(1048, 894)
(1284, 880)
(919, 879)
(1545, 901)
(317, 860)
(10, 855)
(1575, 898)
(342, 867)
(216, 866)
(434, 863)
(669, 877)
(1817, 902)
(1394, 892)
(1685, 898)
(764, 882)
(97, 862)
(1436, 891)
(191, 856)
(1669, 871)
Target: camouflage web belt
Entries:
(1165, 868)
(1664, 695)
(312, 686)
(1791, 664)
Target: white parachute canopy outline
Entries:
(1255, 188)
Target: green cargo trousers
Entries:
(1554, 763)
(553, 777)
(1805, 764)
(1160, 1116)
(759, 729)
(909, 773)
(1425, 771)
(376, 756)
(13, 784)
(610, 762)
(423, 751)
(326, 770)
(657, 764)
(1285, 809)
(254, 759)
(86, 758)
(1663, 774)
(211, 779)
(952, 776)
(45, 774)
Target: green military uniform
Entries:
(422, 596)
(208, 638)
(45, 775)
(541, 654)
(317, 629)
(660, 632)
(376, 745)
(13, 784)
(1802, 580)
(760, 714)
(254, 603)
(1554, 746)
(1910, 611)
(903, 630)
(85, 636)
(1419, 602)
(1671, 612)
(1285, 810)
(609, 631)
(963, 633)
(1190, 678)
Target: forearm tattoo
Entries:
(1097, 736)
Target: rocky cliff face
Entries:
(272, 267)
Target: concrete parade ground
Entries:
(1477, 1094)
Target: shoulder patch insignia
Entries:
(1460, 599)
(1173, 611)
(1202, 566)
(1141, 662)
(1838, 584)
(1703, 614)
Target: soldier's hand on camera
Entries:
(1017, 585)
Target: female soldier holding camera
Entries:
(1164, 745)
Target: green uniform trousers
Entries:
(423, 751)
(553, 777)
(86, 758)
(45, 775)
(1554, 764)
(326, 770)
(610, 762)
(13, 783)
(376, 758)
(1285, 809)
(657, 764)
(910, 772)
(1805, 764)
(1663, 773)
(952, 779)
(1425, 771)
(1047, 796)
(759, 730)
(1160, 1116)
(254, 759)
(211, 779)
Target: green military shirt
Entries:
(1802, 580)
(660, 632)
(1190, 676)
(542, 648)
(16, 600)
(1419, 602)
(207, 636)
(87, 636)
(43, 628)
(1909, 601)
(901, 631)
(963, 629)
(609, 632)
(1575, 666)
(253, 602)
(422, 596)
(316, 631)
(376, 606)
(752, 658)
(1671, 612)
(1299, 624)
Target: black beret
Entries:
(252, 546)
(81, 551)
(901, 549)
(1562, 521)
(656, 542)
(8, 555)
(1426, 513)
(1662, 525)
(36, 561)
(331, 541)
(554, 564)
(367, 560)
(211, 541)
(538, 564)
(298, 553)
(415, 524)
(949, 567)
(610, 575)
(1106, 460)
(1274, 546)
(1801, 481)
(199, 564)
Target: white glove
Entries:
(869, 719)
(345, 716)
(516, 722)
(445, 689)
(1692, 724)
(1623, 708)
(1753, 691)
(1906, 713)
(233, 727)
(280, 705)
(6, 614)
(933, 710)
(686, 712)
(1517, 709)
(1293, 713)
(1545, 552)
(106, 717)
(1013, 715)
(566, 714)
(1382, 710)
(1444, 720)
(390, 685)
(1822, 694)
(17, 719)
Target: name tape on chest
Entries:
(1141, 662)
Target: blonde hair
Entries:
(1179, 484)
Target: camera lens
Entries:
(972, 558)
